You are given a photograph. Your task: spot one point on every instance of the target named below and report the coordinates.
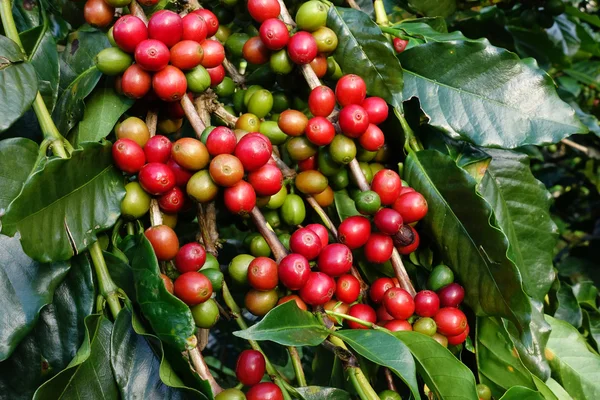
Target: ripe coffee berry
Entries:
(321, 231)
(135, 82)
(250, 367)
(292, 297)
(400, 44)
(321, 101)
(350, 89)
(412, 206)
(397, 325)
(302, 48)
(253, 151)
(158, 149)
(383, 315)
(193, 28)
(128, 32)
(427, 303)
(165, 26)
(261, 10)
(450, 321)
(353, 121)
(309, 164)
(182, 175)
(164, 241)
(378, 289)
(318, 289)
(306, 242)
(169, 84)
(221, 140)
(193, 288)
(266, 180)
(217, 74)
(379, 248)
(262, 274)
(354, 231)
(292, 122)
(190, 153)
(388, 221)
(377, 109)
(152, 55)
(186, 54)
(451, 295)
(347, 289)
(399, 303)
(128, 156)
(293, 271)
(190, 257)
(264, 391)
(274, 34)
(173, 201)
(362, 312)
(212, 23)
(240, 199)
(255, 51)
(226, 170)
(373, 139)
(156, 178)
(335, 259)
(320, 131)
(406, 250)
(386, 183)
(458, 339)
(214, 53)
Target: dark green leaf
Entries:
(344, 205)
(54, 341)
(41, 48)
(89, 374)
(433, 8)
(78, 55)
(18, 83)
(72, 199)
(69, 108)
(102, 111)
(121, 273)
(319, 393)
(575, 367)
(480, 93)
(591, 322)
(586, 72)
(18, 156)
(443, 373)
(521, 393)
(139, 365)
(382, 348)
(536, 42)
(287, 325)
(366, 6)
(423, 32)
(27, 14)
(365, 51)
(26, 287)
(568, 308)
(498, 362)
(589, 18)
(169, 317)
(586, 293)
(460, 222)
(521, 206)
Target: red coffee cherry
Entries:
(363, 312)
(379, 248)
(253, 151)
(250, 367)
(262, 274)
(240, 199)
(182, 175)
(274, 34)
(293, 297)
(221, 140)
(353, 120)
(152, 55)
(450, 321)
(318, 289)
(350, 89)
(136, 82)
(214, 53)
(168, 283)
(458, 339)
(255, 51)
(212, 23)
(398, 325)
(373, 139)
(166, 26)
(306, 242)
(217, 74)
(387, 183)
(321, 231)
(347, 289)
(406, 250)
(412, 206)
(158, 149)
(128, 32)
(451, 295)
(399, 303)
(128, 156)
(190, 257)
(321, 101)
(320, 131)
(427, 303)
(399, 44)
(261, 10)
(164, 242)
(354, 231)
(309, 164)
(98, 13)
(186, 54)
(193, 28)
(267, 180)
(383, 315)
(169, 84)
(193, 288)
(156, 178)
(335, 259)
(388, 221)
(302, 48)
(377, 109)
(379, 287)
(173, 201)
(226, 170)
(264, 391)
(293, 271)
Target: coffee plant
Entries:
(271, 200)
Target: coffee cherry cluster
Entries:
(172, 55)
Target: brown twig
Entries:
(285, 15)
(202, 369)
(192, 116)
(202, 336)
(389, 379)
(353, 4)
(287, 172)
(220, 111)
(151, 123)
(137, 11)
(233, 73)
(207, 221)
(273, 241)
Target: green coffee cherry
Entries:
(113, 61)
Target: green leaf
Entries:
(287, 325)
(78, 55)
(589, 18)
(521, 393)
(54, 341)
(423, 32)
(521, 206)
(139, 365)
(72, 199)
(551, 390)
(168, 316)
(344, 205)
(568, 308)
(460, 223)
(498, 362)
(586, 72)
(18, 83)
(121, 273)
(69, 108)
(591, 322)
(443, 373)
(586, 293)
(89, 374)
(382, 348)
(538, 43)
(102, 111)
(18, 156)
(41, 48)
(364, 50)
(486, 95)
(319, 393)
(575, 367)
(25, 287)
(433, 8)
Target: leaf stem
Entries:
(108, 288)
(202, 369)
(412, 143)
(297, 364)
(380, 14)
(10, 29)
(351, 318)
